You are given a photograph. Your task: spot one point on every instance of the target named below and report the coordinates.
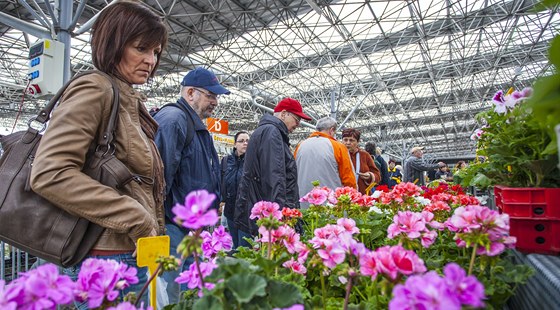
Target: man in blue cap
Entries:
(190, 160)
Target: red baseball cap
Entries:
(291, 105)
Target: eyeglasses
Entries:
(243, 141)
(208, 94)
(296, 118)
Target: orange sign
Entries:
(217, 125)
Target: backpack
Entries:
(190, 122)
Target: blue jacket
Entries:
(186, 167)
(232, 173)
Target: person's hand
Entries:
(364, 175)
(153, 233)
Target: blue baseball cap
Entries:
(204, 78)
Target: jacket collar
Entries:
(278, 123)
(129, 90)
(198, 124)
(235, 154)
(321, 134)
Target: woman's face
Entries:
(241, 143)
(138, 62)
(351, 144)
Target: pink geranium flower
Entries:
(481, 221)
(349, 225)
(368, 264)
(264, 209)
(468, 289)
(317, 196)
(407, 222)
(428, 291)
(40, 288)
(192, 278)
(332, 255)
(477, 134)
(101, 279)
(8, 295)
(194, 214)
(392, 260)
(218, 241)
(295, 266)
(413, 225)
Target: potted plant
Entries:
(519, 147)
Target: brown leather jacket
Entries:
(75, 124)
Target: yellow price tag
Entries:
(149, 249)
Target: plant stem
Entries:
(323, 291)
(145, 287)
(348, 289)
(269, 250)
(473, 256)
(375, 291)
(195, 254)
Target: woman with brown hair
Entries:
(127, 43)
(365, 170)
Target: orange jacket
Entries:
(341, 156)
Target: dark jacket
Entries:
(395, 177)
(383, 169)
(187, 167)
(414, 168)
(269, 173)
(231, 175)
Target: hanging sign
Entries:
(217, 125)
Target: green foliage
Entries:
(245, 284)
(518, 151)
(521, 146)
(545, 101)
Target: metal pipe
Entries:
(65, 8)
(351, 112)
(24, 26)
(87, 25)
(333, 104)
(32, 11)
(78, 13)
(38, 8)
(53, 16)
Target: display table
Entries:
(543, 288)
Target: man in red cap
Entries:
(270, 172)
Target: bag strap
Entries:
(224, 164)
(107, 137)
(190, 122)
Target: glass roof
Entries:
(405, 73)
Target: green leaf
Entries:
(267, 265)
(246, 286)
(554, 52)
(283, 295)
(208, 302)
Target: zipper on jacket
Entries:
(142, 179)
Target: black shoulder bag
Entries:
(32, 223)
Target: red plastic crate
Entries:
(528, 202)
(536, 235)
